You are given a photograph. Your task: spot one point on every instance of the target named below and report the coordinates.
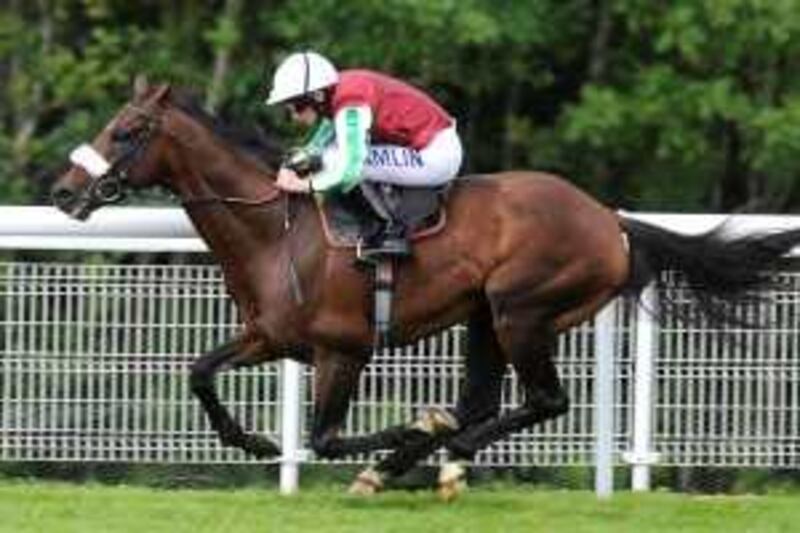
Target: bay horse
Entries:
(524, 257)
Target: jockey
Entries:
(370, 128)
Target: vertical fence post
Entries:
(605, 353)
(641, 456)
(291, 395)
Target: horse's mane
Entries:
(251, 139)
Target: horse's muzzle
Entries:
(70, 202)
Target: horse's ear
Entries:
(140, 86)
(161, 93)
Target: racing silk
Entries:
(369, 107)
(351, 131)
(403, 115)
(321, 137)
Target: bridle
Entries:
(110, 179)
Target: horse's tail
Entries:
(720, 270)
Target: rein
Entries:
(231, 200)
(294, 278)
(208, 200)
(115, 174)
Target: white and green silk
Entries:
(348, 157)
(346, 140)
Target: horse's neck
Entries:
(210, 168)
(238, 235)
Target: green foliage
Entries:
(690, 104)
(705, 101)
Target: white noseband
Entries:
(89, 159)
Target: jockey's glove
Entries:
(303, 161)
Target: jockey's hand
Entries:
(289, 181)
(303, 161)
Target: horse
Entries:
(524, 257)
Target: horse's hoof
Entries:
(452, 481)
(436, 420)
(260, 447)
(367, 483)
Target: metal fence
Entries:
(94, 362)
(732, 397)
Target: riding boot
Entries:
(391, 240)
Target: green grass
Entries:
(62, 508)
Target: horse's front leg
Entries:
(479, 401)
(336, 380)
(237, 353)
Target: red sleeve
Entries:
(355, 91)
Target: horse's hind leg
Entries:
(480, 400)
(530, 347)
(485, 368)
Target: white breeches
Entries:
(434, 165)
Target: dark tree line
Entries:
(684, 105)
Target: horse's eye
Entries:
(121, 135)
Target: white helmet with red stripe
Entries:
(299, 74)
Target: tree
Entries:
(698, 106)
(684, 105)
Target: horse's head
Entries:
(128, 153)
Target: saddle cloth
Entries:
(347, 219)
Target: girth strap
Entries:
(383, 285)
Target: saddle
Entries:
(352, 219)
(349, 220)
